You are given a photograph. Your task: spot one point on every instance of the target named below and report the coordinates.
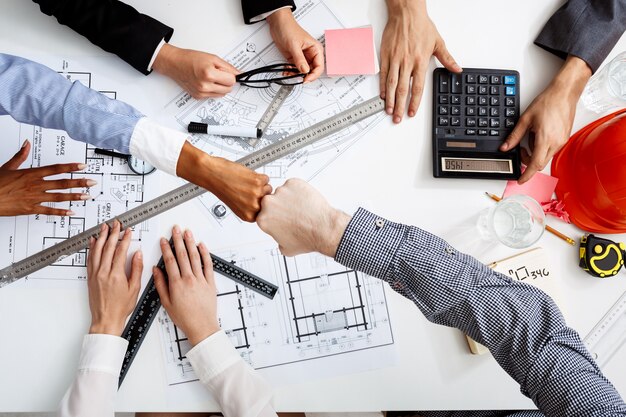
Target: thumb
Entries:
(136, 268)
(516, 136)
(19, 158)
(161, 286)
(444, 56)
(299, 60)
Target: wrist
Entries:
(398, 7)
(337, 223)
(280, 16)
(572, 77)
(164, 58)
(114, 329)
(191, 161)
(197, 336)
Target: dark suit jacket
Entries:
(588, 29)
(120, 29)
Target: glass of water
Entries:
(517, 221)
(606, 90)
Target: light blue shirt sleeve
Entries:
(33, 93)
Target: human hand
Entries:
(409, 39)
(238, 187)
(300, 220)
(201, 74)
(296, 45)
(112, 295)
(24, 190)
(550, 117)
(188, 294)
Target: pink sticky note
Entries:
(540, 187)
(350, 51)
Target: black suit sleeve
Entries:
(588, 29)
(253, 8)
(112, 25)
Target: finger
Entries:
(161, 286)
(214, 91)
(58, 169)
(444, 56)
(49, 211)
(57, 197)
(384, 70)
(64, 184)
(516, 136)
(121, 252)
(315, 56)
(92, 242)
(226, 66)
(224, 78)
(267, 189)
(392, 83)
(19, 158)
(109, 247)
(96, 251)
(181, 252)
(298, 58)
(538, 160)
(417, 89)
(208, 264)
(171, 266)
(525, 157)
(136, 269)
(194, 255)
(402, 92)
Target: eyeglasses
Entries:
(263, 77)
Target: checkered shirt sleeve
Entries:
(520, 324)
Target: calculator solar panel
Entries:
(473, 113)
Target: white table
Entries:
(41, 330)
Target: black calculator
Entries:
(473, 113)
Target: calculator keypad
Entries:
(482, 104)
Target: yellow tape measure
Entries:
(600, 257)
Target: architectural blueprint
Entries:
(307, 104)
(322, 309)
(118, 189)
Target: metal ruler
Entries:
(149, 303)
(609, 335)
(272, 111)
(187, 192)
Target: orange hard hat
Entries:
(591, 169)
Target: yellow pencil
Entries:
(548, 228)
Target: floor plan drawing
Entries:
(306, 105)
(322, 309)
(118, 189)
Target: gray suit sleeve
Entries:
(588, 29)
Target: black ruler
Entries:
(149, 304)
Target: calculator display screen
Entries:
(477, 165)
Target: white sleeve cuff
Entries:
(156, 52)
(157, 145)
(266, 15)
(103, 352)
(213, 356)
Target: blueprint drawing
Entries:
(118, 189)
(306, 105)
(322, 309)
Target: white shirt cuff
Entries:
(157, 145)
(213, 356)
(266, 15)
(103, 352)
(156, 52)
